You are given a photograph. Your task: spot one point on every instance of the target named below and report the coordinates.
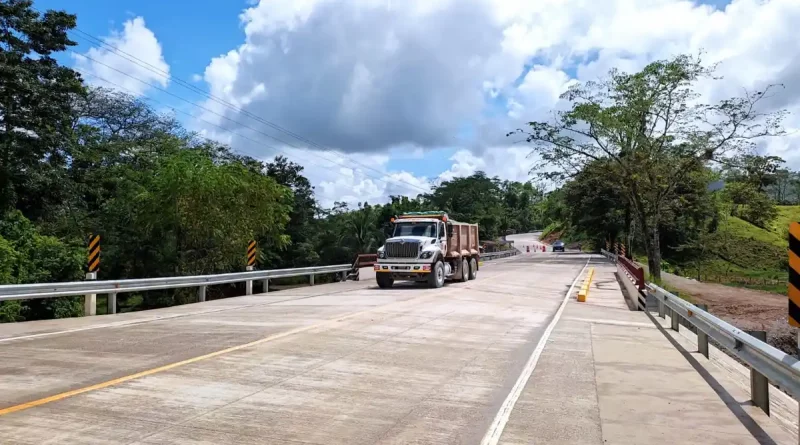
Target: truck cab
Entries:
(428, 247)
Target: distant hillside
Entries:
(745, 255)
(786, 215)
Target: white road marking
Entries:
(492, 436)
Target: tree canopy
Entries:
(652, 135)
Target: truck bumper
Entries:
(404, 271)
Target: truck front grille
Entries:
(406, 249)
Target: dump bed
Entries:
(464, 240)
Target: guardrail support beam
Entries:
(265, 285)
(759, 385)
(311, 279)
(90, 300)
(702, 337)
(111, 304)
(201, 294)
(661, 309)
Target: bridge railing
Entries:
(765, 361)
(610, 255)
(635, 283)
(113, 287)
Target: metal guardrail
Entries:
(765, 361)
(114, 287)
(611, 256)
(780, 368)
(91, 288)
(502, 254)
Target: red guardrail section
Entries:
(635, 271)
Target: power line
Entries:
(279, 151)
(141, 63)
(195, 104)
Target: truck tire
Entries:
(473, 268)
(385, 281)
(464, 271)
(436, 278)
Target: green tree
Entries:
(206, 211)
(26, 256)
(652, 129)
(362, 229)
(759, 171)
(301, 229)
(751, 204)
(474, 199)
(596, 204)
(35, 99)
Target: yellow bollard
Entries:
(584, 292)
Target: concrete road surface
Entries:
(344, 363)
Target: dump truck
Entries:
(428, 247)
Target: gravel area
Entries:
(747, 309)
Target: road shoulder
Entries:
(609, 375)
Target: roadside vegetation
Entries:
(640, 159)
(77, 160)
(680, 182)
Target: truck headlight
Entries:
(381, 254)
(425, 255)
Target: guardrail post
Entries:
(311, 279)
(111, 304)
(676, 320)
(265, 284)
(248, 287)
(759, 385)
(90, 300)
(662, 309)
(201, 294)
(702, 337)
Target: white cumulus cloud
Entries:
(110, 65)
(365, 76)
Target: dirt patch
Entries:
(551, 237)
(747, 309)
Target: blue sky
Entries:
(191, 32)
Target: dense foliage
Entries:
(76, 161)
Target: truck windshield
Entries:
(426, 229)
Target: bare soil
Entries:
(747, 309)
(551, 237)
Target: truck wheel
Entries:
(464, 271)
(473, 268)
(385, 281)
(436, 278)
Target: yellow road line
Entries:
(117, 381)
(75, 392)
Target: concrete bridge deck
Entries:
(498, 360)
